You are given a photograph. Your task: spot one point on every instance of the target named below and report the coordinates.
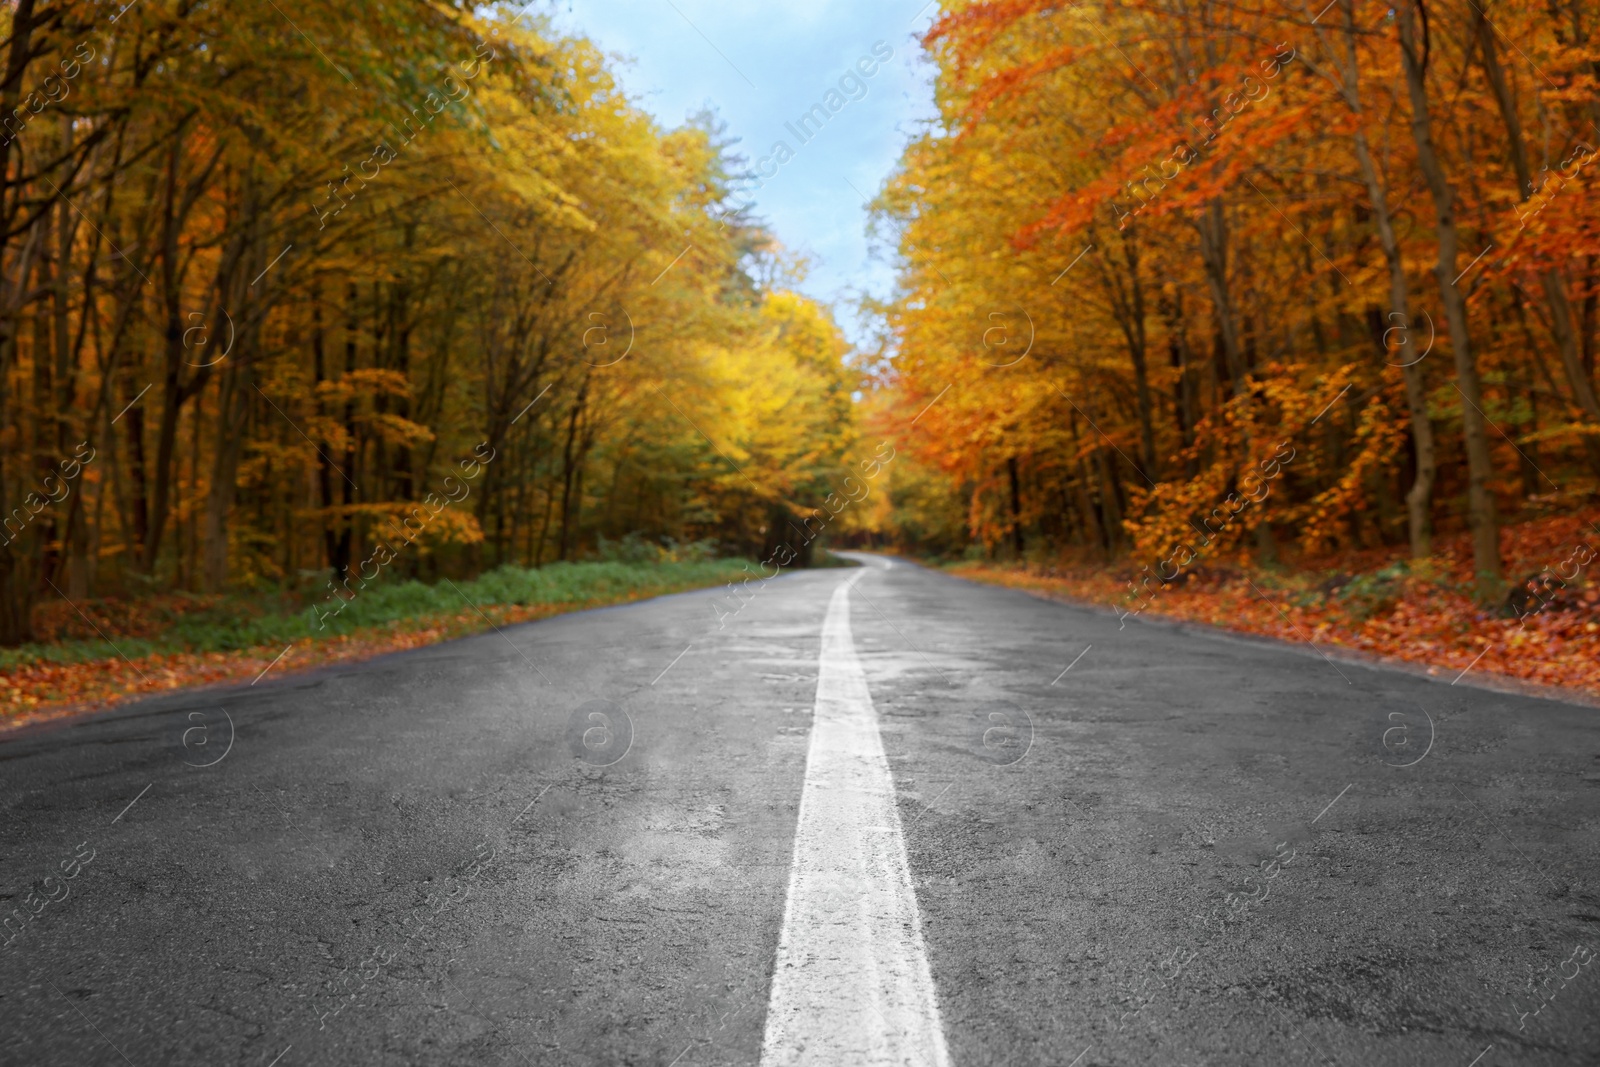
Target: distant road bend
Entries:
(877, 816)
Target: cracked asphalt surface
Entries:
(569, 842)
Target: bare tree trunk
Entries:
(1419, 498)
(1487, 567)
(1128, 306)
(1551, 278)
(1016, 506)
(1213, 227)
(171, 391)
(1108, 499)
(335, 533)
(232, 409)
(570, 466)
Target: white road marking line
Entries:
(851, 982)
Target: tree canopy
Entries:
(1164, 261)
(280, 286)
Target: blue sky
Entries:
(764, 64)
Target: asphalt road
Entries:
(573, 842)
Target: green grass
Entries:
(243, 622)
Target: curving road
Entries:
(879, 815)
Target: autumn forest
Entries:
(283, 293)
(1305, 286)
(294, 297)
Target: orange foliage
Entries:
(1415, 619)
(1145, 243)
